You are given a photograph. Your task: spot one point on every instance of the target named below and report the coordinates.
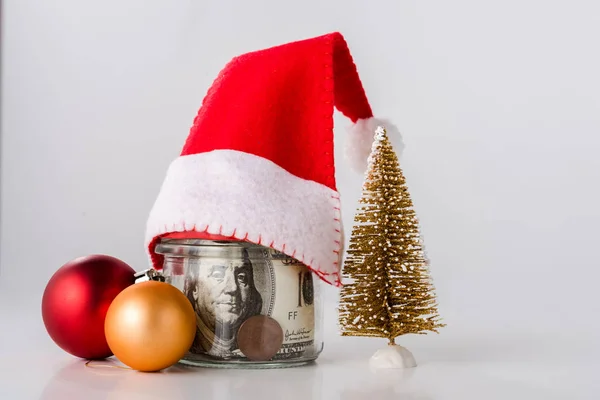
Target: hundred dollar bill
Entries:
(226, 291)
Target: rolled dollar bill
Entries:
(227, 288)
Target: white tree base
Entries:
(393, 356)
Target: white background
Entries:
(499, 107)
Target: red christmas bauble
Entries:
(76, 300)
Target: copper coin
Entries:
(260, 337)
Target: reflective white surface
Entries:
(451, 365)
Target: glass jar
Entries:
(255, 307)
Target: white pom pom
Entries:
(360, 140)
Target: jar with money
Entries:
(255, 307)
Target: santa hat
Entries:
(258, 164)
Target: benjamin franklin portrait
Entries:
(224, 295)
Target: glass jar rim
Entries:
(213, 248)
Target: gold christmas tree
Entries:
(390, 292)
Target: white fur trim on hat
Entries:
(232, 193)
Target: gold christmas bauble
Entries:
(150, 326)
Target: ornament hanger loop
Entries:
(148, 275)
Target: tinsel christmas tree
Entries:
(390, 292)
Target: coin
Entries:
(260, 337)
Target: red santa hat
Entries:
(258, 164)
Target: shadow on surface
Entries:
(108, 379)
